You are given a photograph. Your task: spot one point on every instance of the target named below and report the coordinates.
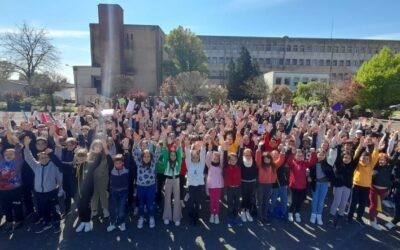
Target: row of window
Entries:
(288, 61)
(299, 48)
(295, 80)
(220, 74)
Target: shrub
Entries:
(3, 106)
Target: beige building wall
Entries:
(290, 79)
(339, 57)
(143, 56)
(84, 77)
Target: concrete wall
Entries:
(143, 56)
(83, 78)
(293, 78)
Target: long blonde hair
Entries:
(91, 153)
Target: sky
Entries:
(67, 21)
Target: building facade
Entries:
(119, 49)
(340, 58)
(291, 79)
(137, 50)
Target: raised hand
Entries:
(27, 141)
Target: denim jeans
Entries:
(318, 197)
(146, 195)
(263, 196)
(281, 192)
(119, 199)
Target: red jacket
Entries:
(267, 138)
(183, 166)
(298, 174)
(232, 176)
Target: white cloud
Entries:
(56, 33)
(388, 36)
(251, 4)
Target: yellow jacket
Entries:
(363, 172)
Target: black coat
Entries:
(326, 168)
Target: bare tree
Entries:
(29, 50)
(6, 70)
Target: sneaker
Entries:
(216, 221)
(243, 216)
(106, 213)
(375, 225)
(389, 225)
(140, 222)
(80, 227)
(43, 228)
(111, 228)
(122, 227)
(298, 217)
(57, 229)
(313, 218)
(212, 218)
(88, 227)
(248, 216)
(319, 220)
(177, 223)
(166, 222)
(152, 222)
(290, 217)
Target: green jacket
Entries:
(164, 167)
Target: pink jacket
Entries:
(215, 177)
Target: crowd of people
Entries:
(260, 160)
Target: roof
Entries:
(15, 82)
(303, 38)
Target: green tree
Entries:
(185, 53)
(240, 72)
(313, 92)
(380, 79)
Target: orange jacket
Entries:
(268, 175)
